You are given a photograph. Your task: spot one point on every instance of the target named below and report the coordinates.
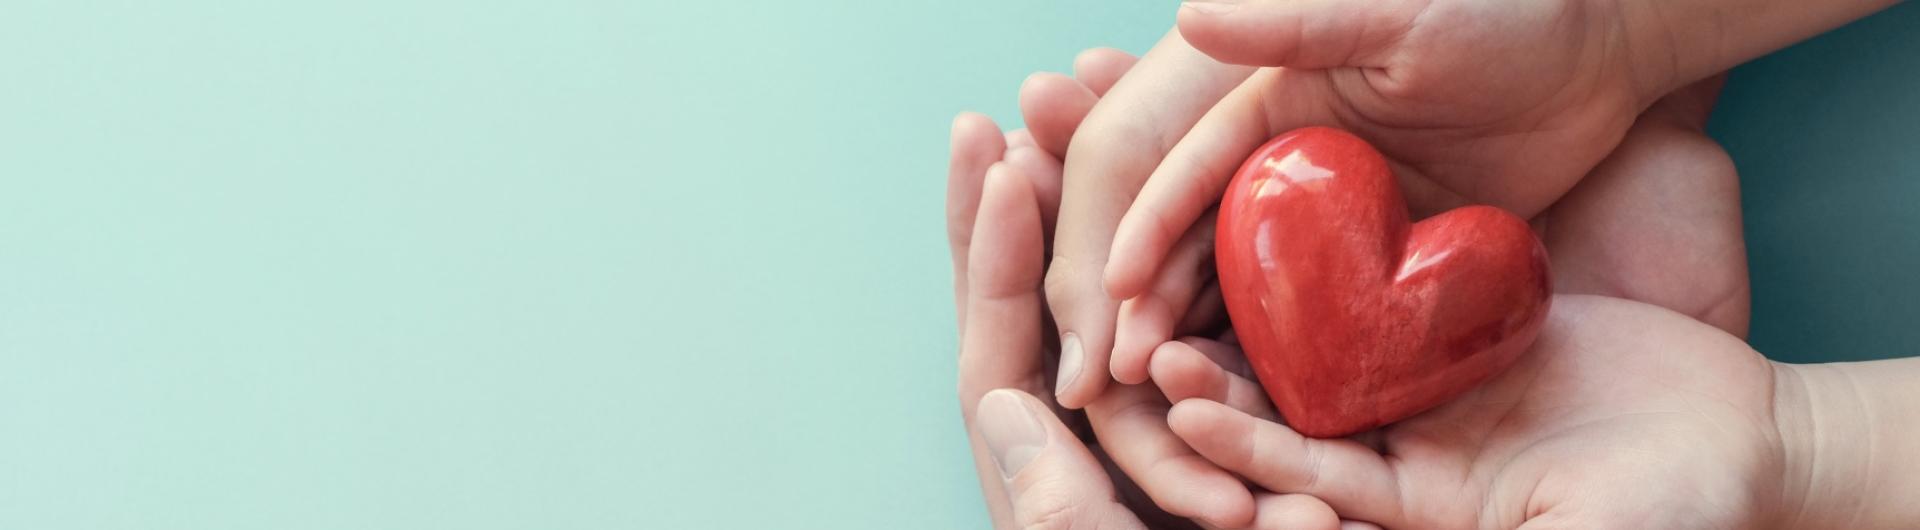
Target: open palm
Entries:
(1624, 415)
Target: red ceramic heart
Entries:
(1352, 316)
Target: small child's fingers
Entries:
(1132, 420)
(1195, 173)
(1150, 318)
(1183, 372)
(1053, 106)
(1187, 183)
(1100, 68)
(1356, 481)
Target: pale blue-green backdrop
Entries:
(539, 264)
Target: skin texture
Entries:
(975, 146)
(996, 229)
(1108, 167)
(1624, 415)
(1057, 481)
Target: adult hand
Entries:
(1623, 415)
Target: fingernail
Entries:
(1013, 434)
(1210, 7)
(1072, 360)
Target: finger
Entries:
(1196, 171)
(1133, 421)
(1044, 171)
(1185, 185)
(977, 143)
(1149, 319)
(1100, 68)
(1000, 346)
(1183, 372)
(1354, 480)
(1123, 139)
(1053, 106)
(1051, 479)
(1301, 34)
(1293, 511)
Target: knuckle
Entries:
(1313, 458)
(1062, 282)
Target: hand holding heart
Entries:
(1666, 142)
(1623, 415)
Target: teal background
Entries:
(539, 264)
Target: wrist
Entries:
(1828, 437)
(1658, 54)
(1669, 44)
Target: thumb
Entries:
(1303, 34)
(1053, 481)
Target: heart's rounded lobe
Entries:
(1352, 316)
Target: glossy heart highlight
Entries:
(1352, 316)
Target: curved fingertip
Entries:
(1180, 371)
(1053, 106)
(969, 121)
(1007, 197)
(1006, 255)
(1193, 419)
(1207, 26)
(1144, 323)
(1101, 68)
(975, 141)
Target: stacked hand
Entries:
(1639, 408)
